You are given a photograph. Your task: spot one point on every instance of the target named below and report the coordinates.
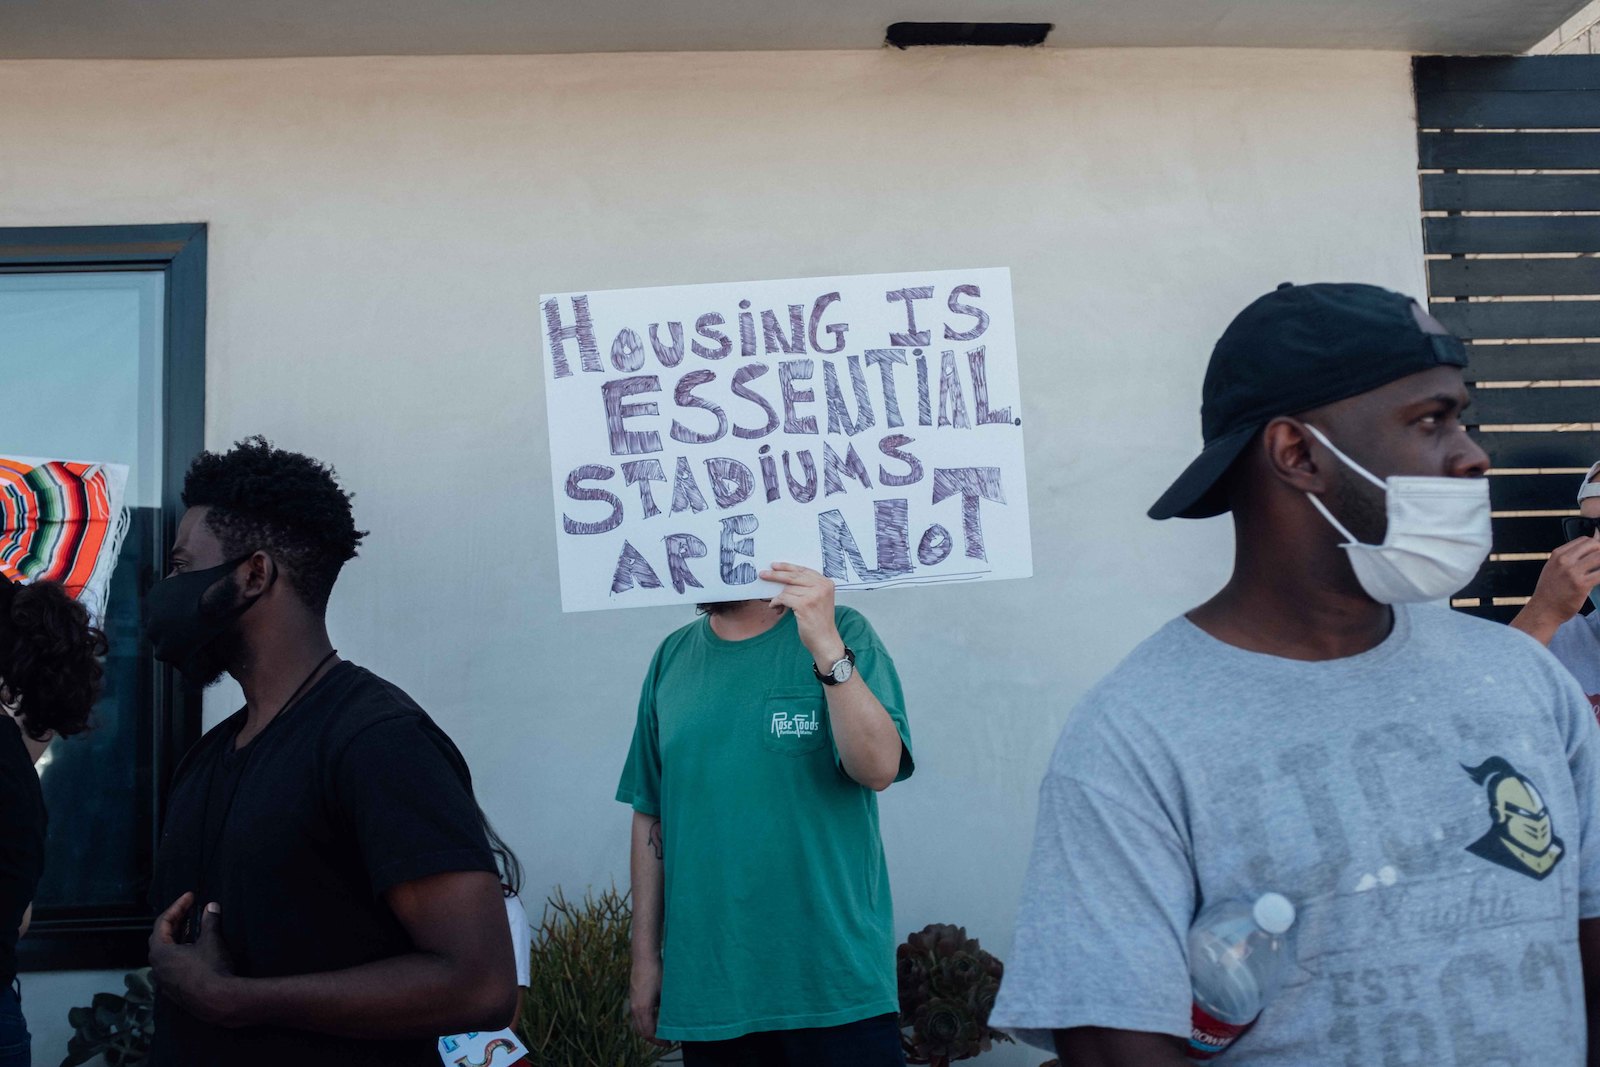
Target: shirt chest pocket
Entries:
(794, 719)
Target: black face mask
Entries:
(183, 628)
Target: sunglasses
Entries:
(1578, 526)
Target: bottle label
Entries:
(1208, 1036)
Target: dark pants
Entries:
(16, 1046)
(871, 1042)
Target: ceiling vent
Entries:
(990, 34)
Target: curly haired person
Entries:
(50, 677)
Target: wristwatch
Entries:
(840, 672)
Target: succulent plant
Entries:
(118, 1028)
(947, 989)
(575, 1011)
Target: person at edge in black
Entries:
(330, 894)
(50, 677)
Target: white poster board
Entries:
(867, 426)
(498, 1048)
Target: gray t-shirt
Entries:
(1438, 913)
(1577, 646)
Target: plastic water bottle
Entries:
(1239, 953)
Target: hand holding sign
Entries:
(867, 426)
(810, 596)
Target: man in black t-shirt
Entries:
(330, 896)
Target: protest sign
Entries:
(499, 1048)
(867, 426)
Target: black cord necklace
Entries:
(209, 842)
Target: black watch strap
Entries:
(829, 679)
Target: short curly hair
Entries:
(262, 498)
(50, 669)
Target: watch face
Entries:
(843, 670)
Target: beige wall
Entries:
(380, 232)
(1579, 35)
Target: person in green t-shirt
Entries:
(763, 931)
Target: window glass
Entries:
(88, 350)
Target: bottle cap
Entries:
(1273, 913)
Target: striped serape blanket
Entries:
(62, 521)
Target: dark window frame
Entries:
(116, 937)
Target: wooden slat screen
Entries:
(1511, 192)
(1509, 154)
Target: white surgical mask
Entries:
(1438, 535)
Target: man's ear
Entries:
(1295, 457)
(259, 573)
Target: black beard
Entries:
(207, 666)
(1361, 506)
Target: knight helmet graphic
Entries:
(1521, 837)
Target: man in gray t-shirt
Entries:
(1422, 785)
(1569, 577)
(1577, 645)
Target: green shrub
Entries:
(576, 1011)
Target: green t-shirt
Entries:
(778, 914)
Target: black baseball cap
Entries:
(1297, 348)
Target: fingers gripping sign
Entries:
(809, 594)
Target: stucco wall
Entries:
(380, 232)
(1579, 35)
